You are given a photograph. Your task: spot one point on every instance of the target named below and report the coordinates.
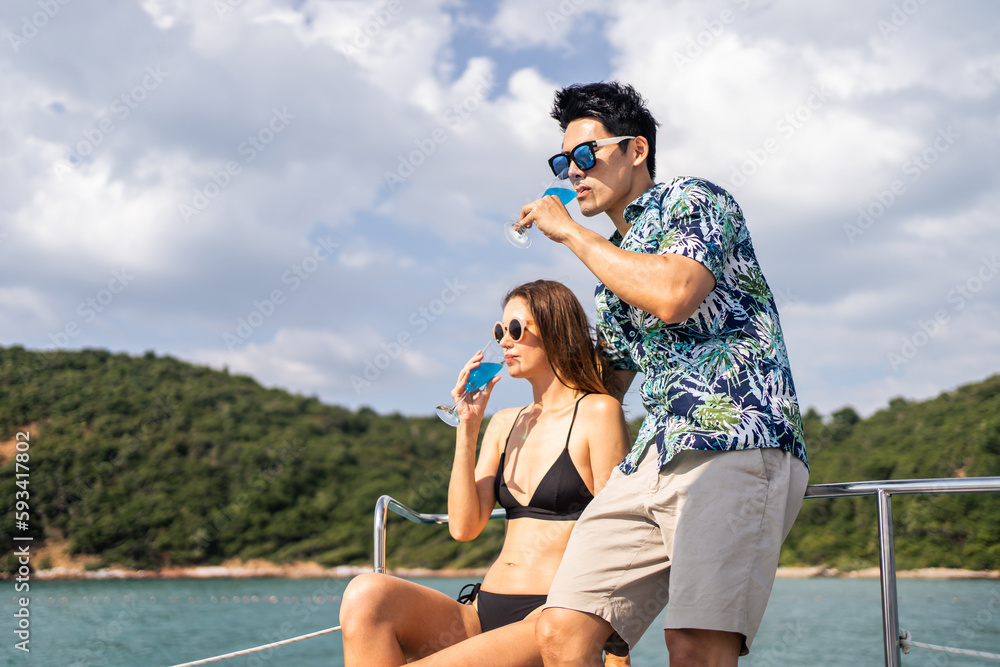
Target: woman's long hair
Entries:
(566, 335)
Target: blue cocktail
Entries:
(565, 193)
(479, 377)
(482, 374)
(560, 187)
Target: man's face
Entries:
(609, 181)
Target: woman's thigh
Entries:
(422, 619)
(512, 645)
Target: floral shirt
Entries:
(720, 380)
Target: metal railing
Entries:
(386, 503)
(883, 491)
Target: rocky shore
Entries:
(239, 570)
(59, 565)
(873, 573)
(306, 570)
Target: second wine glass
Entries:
(479, 377)
(560, 187)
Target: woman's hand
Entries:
(473, 407)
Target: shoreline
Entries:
(266, 569)
(874, 572)
(65, 567)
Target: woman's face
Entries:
(525, 355)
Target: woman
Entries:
(543, 463)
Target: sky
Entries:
(312, 193)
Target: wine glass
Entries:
(479, 377)
(560, 187)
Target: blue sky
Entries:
(312, 193)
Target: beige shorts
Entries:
(704, 534)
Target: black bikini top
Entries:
(560, 496)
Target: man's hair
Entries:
(616, 105)
(566, 336)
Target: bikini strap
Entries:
(511, 432)
(470, 596)
(571, 421)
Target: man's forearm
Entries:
(671, 287)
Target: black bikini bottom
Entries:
(498, 609)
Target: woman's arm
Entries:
(607, 436)
(470, 490)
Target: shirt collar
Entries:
(635, 209)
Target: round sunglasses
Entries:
(582, 155)
(516, 329)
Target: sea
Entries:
(167, 622)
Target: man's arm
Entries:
(670, 286)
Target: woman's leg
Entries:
(508, 646)
(386, 621)
(512, 645)
(617, 660)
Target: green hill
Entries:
(956, 434)
(150, 462)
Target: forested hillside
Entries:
(149, 462)
(956, 434)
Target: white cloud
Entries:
(88, 215)
(18, 304)
(396, 44)
(826, 108)
(163, 12)
(340, 365)
(520, 24)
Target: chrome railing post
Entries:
(887, 576)
(382, 507)
(381, 516)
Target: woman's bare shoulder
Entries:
(503, 419)
(601, 406)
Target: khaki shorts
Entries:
(704, 534)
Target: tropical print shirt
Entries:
(720, 380)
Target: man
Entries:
(695, 515)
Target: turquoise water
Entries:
(566, 195)
(160, 623)
(481, 374)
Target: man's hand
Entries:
(551, 218)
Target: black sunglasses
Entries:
(583, 156)
(515, 329)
